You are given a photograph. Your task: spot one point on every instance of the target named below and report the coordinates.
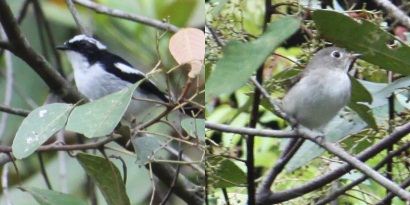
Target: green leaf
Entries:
(107, 177)
(100, 117)
(225, 173)
(145, 147)
(49, 197)
(361, 95)
(381, 95)
(359, 92)
(38, 127)
(365, 113)
(241, 60)
(194, 127)
(366, 38)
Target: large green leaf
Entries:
(107, 177)
(49, 197)
(241, 60)
(100, 117)
(38, 127)
(359, 102)
(366, 38)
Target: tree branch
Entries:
(395, 12)
(353, 161)
(22, 49)
(320, 181)
(250, 131)
(15, 111)
(5, 45)
(124, 15)
(76, 17)
(338, 192)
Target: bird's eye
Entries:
(336, 54)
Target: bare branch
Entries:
(76, 17)
(5, 45)
(395, 12)
(320, 181)
(338, 192)
(273, 103)
(8, 93)
(37, 62)
(124, 15)
(336, 150)
(215, 35)
(16, 111)
(250, 131)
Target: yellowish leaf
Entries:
(188, 46)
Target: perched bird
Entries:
(98, 73)
(323, 89)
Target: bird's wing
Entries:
(122, 69)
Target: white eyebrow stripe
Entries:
(83, 37)
(127, 69)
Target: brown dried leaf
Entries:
(188, 46)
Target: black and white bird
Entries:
(98, 73)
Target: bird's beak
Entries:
(63, 47)
(355, 56)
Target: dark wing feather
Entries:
(110, 59)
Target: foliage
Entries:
(78, 148)
(234, 29)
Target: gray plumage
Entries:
(323, 89)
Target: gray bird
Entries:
(323, 89)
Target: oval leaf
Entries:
(226, 173)
(107, 177)
(38, 127)
(100, 117)
(194, 127)
(49, 197)
(241, 60)
(366, 38)
(144, 148)
(188, 46)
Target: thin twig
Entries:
(214, 34)
(171, 188)
(23, 11)
(338, 192)
(395, 12)
(124, 15)
(50, 37)
(274, 104)
(8, 94)
(77, 17)
(15, 111)
(43, 171)
(292, 147)
(37, 62)
(124, 167)
(320, 181)
(59, 147)
(250, 131)
(393, 187)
